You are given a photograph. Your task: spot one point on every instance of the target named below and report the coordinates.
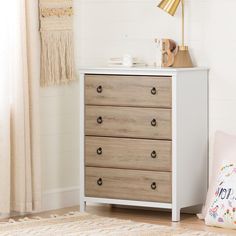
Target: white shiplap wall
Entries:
(108, 28)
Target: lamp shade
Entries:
(169, 6)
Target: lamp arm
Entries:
(183, 23)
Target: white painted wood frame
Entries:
(189, 136)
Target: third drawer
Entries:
(125, 153)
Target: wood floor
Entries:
(147, 216)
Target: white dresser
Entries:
(144, 137)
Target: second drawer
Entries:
(125, 153)
(151, 123)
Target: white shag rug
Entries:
(83, 224)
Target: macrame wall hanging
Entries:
(56, 28)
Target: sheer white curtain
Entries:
(20, 180)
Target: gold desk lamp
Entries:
(182, 58)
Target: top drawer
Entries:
(143, 91)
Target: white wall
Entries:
(108, 28)
(221, 58)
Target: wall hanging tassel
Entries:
(57, 52)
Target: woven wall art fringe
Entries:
(57, 52)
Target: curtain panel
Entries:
(20, 172)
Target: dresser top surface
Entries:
(138, 70)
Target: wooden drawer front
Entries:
(128, 184)
(122, 153)
(143, 91)
(150, 123)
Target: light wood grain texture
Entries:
(155, 216)
(140, 91)
(128, 184)
(123, 153)
(128, 122)
(168, 52)
(183, 59)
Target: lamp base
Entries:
(182, 58)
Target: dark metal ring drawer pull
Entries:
(99, 89)
(99, 151)
(154, 91)
(99, 181)
(153, 186)
(154, 154)
(154, 122)
(99, 120)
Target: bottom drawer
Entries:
(128, 184)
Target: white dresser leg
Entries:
(175, 214)
(82, 206)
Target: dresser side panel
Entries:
(191, 137)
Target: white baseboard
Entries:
(60, 198)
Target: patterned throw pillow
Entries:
(222, 209)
